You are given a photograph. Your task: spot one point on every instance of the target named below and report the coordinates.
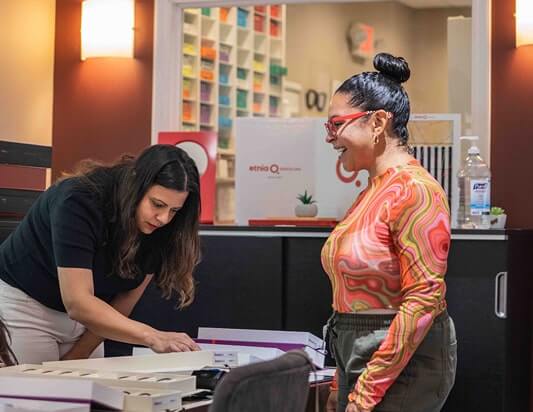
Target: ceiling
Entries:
(424, 4)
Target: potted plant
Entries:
(307, 206)
(497, 218)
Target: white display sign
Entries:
(278, 159)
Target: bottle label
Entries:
(479, 197)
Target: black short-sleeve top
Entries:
(67, 227)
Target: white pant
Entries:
(38, 333)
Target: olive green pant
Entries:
(424, 383)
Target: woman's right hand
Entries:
(163, 342)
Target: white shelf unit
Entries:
(226, 73)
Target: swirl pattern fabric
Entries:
(390, 252)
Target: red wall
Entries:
(102, 107)
(512, 118)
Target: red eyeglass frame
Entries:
(331, 129)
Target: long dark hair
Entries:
(122, 186)
(7, 357)
(383, 90)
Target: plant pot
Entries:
(498, 221)
(308, 210)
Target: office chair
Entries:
(277, 385)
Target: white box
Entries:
(163, 362)
(142, 392)
(248, 354)
(257, 335)
(140, 381)
(245, 354)
(67, 390)
(137, 400)
(27, 405)
(221, 359)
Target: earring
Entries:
(376, 139)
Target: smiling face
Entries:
(157, 208)
(353, 137)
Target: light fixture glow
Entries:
(524, 22)
(107, 28)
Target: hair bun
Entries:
(396, 68)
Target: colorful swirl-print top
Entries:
(390, 252)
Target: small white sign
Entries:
(278, 159)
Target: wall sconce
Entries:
(524, 22)
(107, 28)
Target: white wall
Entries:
(460, 69)
(317, 52)
(26, 70)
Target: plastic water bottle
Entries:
(474, 191)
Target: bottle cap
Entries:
(473, 149)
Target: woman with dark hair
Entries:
(75, 267)
(390, 332)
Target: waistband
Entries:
(348, 321)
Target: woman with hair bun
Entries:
(81, 258)
(390, 333)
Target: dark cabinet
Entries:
(308, 294)
(472, 269)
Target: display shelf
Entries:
(228, 57)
